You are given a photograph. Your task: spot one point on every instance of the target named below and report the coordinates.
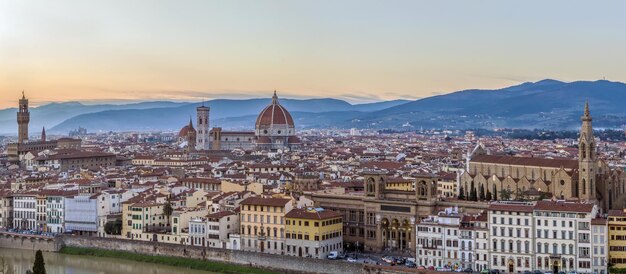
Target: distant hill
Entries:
(52, 114)
(546, 104)
(223, 111)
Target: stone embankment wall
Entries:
(281, 263)
(30, 242)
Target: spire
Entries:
(23, 96)
(43, 134)
(587, 108)
(190, 123)
(274, 98)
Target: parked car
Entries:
(333, 255)
(572, 272)
(410, 264)
(484, 271)
(388, 259)
(468, 270)
(351, 259)
(431, 268)
(561, 272)
(537, 272)
(495, 271)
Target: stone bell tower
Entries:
(23, 118)
(587, 159)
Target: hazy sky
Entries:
(356, 50)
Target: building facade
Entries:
(313, 232)
(262, 222)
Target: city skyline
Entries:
(358, 52)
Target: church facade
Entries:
(587, 178)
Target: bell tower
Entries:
(586, 159)
(202, 137)
(23, 118)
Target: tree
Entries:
(461, 193)
(39, 267)
(113, 227)
(481, 192)
(473, 195)
(167, 211)
(505, 194)
(495, 192)
(488, 197)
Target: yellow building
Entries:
(147, 217)
(263, 224)
(617, 238)
(313, 232)
(402, 184)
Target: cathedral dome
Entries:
(184, 132)
(274, 115)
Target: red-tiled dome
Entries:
(274, 114)
(185, 130)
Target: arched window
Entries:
(583, 151)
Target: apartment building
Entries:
(262, 222)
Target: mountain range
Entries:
(546, 104)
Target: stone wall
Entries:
(10, 240)
(282, 263)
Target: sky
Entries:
(360, 51)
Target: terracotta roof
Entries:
(274, 114)
(617, 212)
(511, 207)
(526, 161)
(301, 213)
(265, 201)
(561, 206)
(220, 214)
(598, 221)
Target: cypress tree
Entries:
(39, 267)
(461, 193)
(488, 197)
(481, 192)
(473, 196)
(495, 192)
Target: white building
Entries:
(437, 240)
(511, 228)
(599, 245)
(563, 235)
(55, 210)
(198, 231)
(24, 211)
(108, 209)
(481, 236)
(220, 226)
(81, 215)
(467, 245)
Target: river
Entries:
(19, 261)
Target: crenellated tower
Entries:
(587, 159)
(23, 118)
